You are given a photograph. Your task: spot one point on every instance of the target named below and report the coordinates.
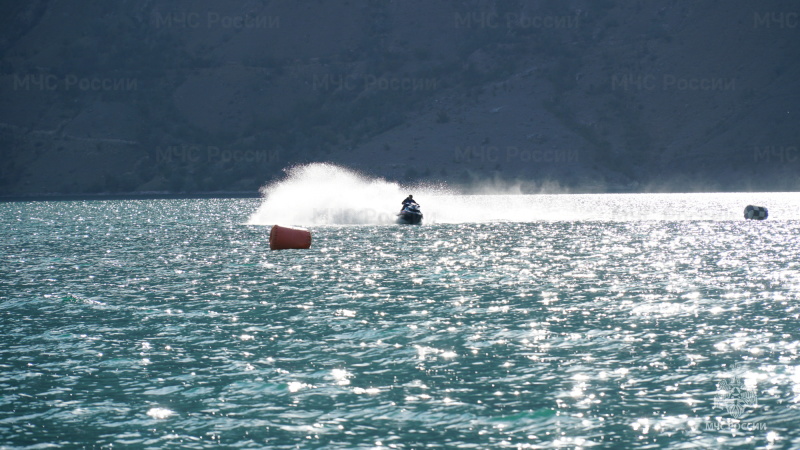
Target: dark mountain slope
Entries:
(586, 95)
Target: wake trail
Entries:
(326, 194)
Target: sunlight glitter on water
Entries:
(541, 334)
(160, 413)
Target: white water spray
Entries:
(326, 194)
(320, 194)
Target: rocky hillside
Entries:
(208, 96)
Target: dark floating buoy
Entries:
(283, 238)
(755, 212)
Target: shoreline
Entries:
(256, 195)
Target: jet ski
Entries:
(410, 215)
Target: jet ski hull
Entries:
(408, 218)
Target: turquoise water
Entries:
(170, 324)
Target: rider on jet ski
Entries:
(408, 201)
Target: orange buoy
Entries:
(282, 238)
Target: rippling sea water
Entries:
(170, 324)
